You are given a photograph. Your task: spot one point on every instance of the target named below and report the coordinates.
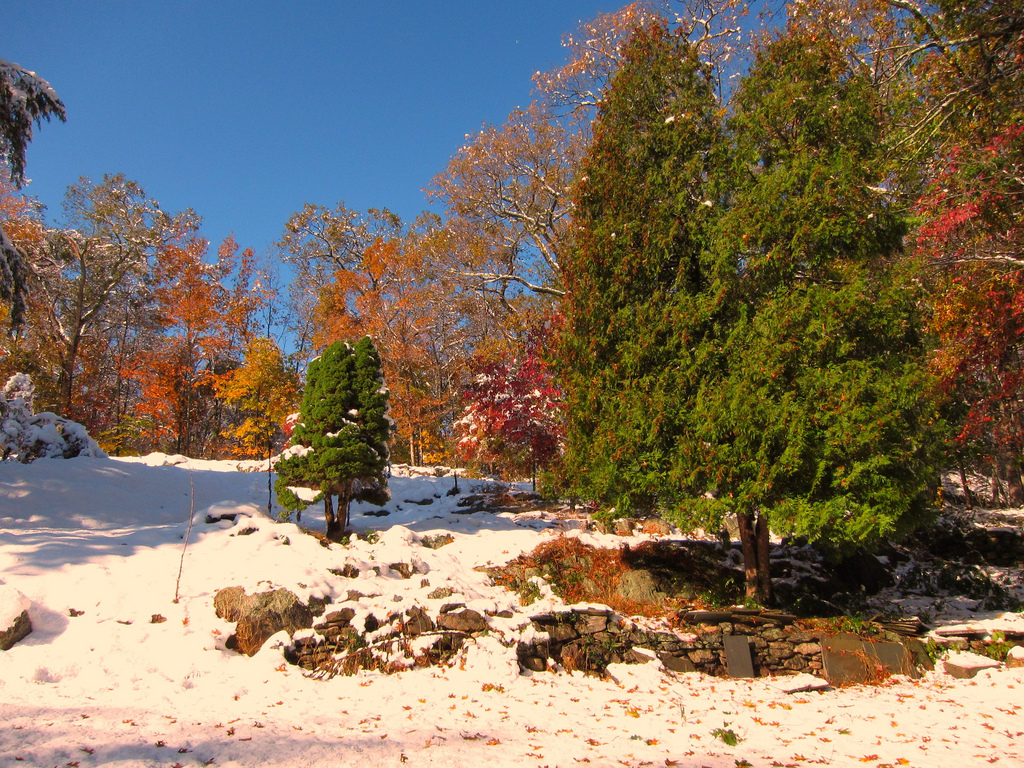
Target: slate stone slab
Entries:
(849, 660)
(893, 657)
(737, 656)
(676, 663)
(967, 665)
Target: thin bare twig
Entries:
(188, 533)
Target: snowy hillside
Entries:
(115, 672)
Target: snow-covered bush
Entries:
(26, 436)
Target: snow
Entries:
(116, 672)
(12, 605)
(797, 683)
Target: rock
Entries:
(348, 571)
(437, 541)
(216, 518)
(19, 629)
(441, 593)
(561, 633)
(639, 587)
(592, 623)
(780, 650)
(259, 616)
(807, 649)
(417, 623)
(338, 619)
(405, 570)
(156, 618)
(420, 502)
(965, 665)
(656, 526)
(702, 657)
(534, 663)
(466, 620)
(676, 663)
(1015, 657)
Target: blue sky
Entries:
(244, 111)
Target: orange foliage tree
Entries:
(396, 295)
(205, 322)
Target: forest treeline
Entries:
(705, 219)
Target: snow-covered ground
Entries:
(117, 673)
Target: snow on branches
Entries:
(26, 436)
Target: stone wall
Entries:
(592, 639)
(392, 643)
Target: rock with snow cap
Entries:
(15, 624)
(966, 665)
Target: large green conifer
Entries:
(740, 337)
(636, 276)
(343, 434)
(821, 424)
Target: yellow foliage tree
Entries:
(265, 392)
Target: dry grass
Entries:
(578, 573)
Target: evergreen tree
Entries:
(637, 278)
(24, 98)
(340, 445)
(740, 334)
(821, 424)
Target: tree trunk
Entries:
(764, 565)
(996, 485)
(967, 488)
(754, 541)
(334, 531)
(1014, 487)
(749, 552)
(344, 502)
(270, 484)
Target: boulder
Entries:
(259, 616)
(14, 621)
(639, 587)
(466, 620)
(1015, 657)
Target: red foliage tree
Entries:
(973, 238)
(513, 416)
